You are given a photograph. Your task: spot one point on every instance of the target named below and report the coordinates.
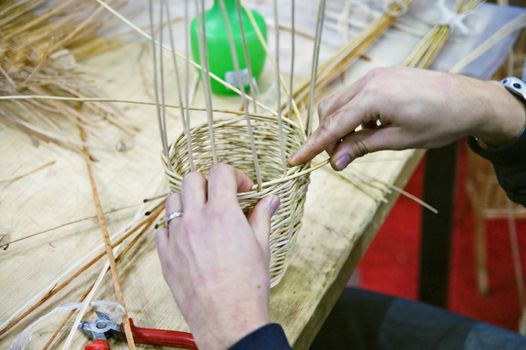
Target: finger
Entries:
(259, 219)
(173, 204)
(365, 141)
(332, 103)
(161, 239)
(224, 182)
(342, 122)
(193, 191)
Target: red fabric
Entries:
(391, 263)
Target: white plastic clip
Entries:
(453, 19)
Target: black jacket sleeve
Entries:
(509, 162)
(269, 337)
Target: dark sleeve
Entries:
(269, 337)
(509, 162)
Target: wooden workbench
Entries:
(339, 221)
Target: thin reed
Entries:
(40, 43)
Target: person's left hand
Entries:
(215, 260)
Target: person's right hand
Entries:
(402, 108)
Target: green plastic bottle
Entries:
(219, 53)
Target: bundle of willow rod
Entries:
(429, 47)
(340, 62)
(40, 41)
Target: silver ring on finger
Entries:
(174, 215)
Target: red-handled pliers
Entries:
(104, 327)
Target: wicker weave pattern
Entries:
(233, 147)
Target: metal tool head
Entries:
(103, 328)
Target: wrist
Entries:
(243, 326)
(504, 117)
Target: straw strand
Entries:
(203, 58)
(162, 131)
(240, 84)
(314, 67)
(253, 85)
(182, 109)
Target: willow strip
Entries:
(107, 242)
(240, 84)
(8, 244)
(184, 118)
(278, 76)
(21, 176)
(135, 102)
(203, 59)
(314, 67)
(187, 80)
(252, 81)
(272, 61)
(160, 120)
(291, 103)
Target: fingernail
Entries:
(291, 159)
(274, 204)
(343, 161)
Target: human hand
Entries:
(215, 260)
(400, 108)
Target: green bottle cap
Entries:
(219, 52)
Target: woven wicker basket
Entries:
(233, 147)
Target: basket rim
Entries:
(292, 173)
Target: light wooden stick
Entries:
(253, 85)
(162, 130)
(203, 58)
(239, 82)
(161, 74)
(291, 101)
(18, 177)
(136, 102)
(106, 236)
(187, 75)
(314, 67)
(272, 61)
(23, 238)
(278, 76)
(184, 118)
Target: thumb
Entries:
(259, 219)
